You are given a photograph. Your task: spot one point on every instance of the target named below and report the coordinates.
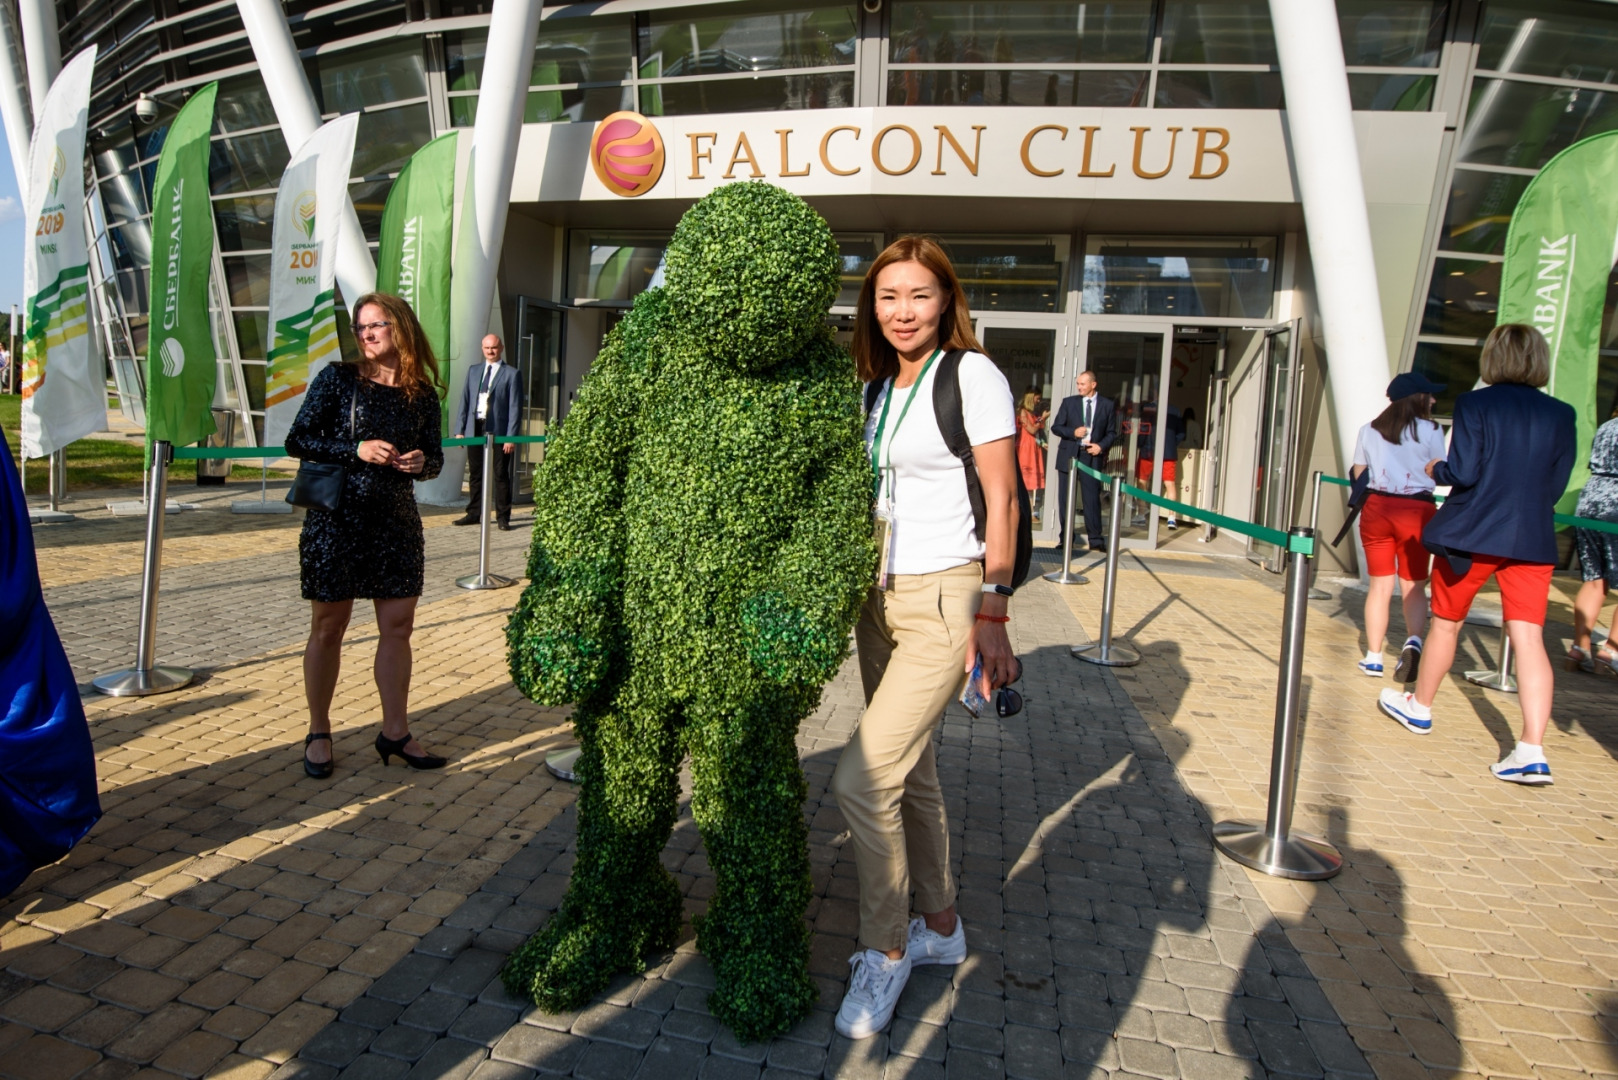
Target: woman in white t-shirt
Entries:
(938, 607)
(1395, 449)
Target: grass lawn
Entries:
(92, 463)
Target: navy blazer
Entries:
(1510, 455)
(1070, 417)
(505, 401)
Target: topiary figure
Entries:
(701, 548)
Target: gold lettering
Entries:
(743, 152)
(1217, 151)
(786, 169)
(699, 154)
(971, 163)
(825, 159)
(1089, 145)
(1140, 139)
(1028, 141)
(915, 149)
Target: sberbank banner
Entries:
(303, 268)
(1560, 250)
(64, 387)
(413, 259)
(180, 363)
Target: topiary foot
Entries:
(585, 944)
(759, 997)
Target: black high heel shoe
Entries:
(317, 769)
(388, 747)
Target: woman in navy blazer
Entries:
(1511, 452)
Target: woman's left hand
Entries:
(999, 662)
(413, 462)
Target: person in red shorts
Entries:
(1511, 453)
(1395, 449)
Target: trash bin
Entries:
(217, 470)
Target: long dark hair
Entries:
(874, 355)
(418, 368)
(1403, 417)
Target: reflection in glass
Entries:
(1226, 278)
(858, 251)
(387, 138)
(1011, 273)
(353, 79)
(369, 200)
(1456, 366)
(247, 277)
(114, 155)
(577, 51)
(1463, 298)
(980, 86)
(1218, 90)
(1021, 32)
(1026, 355)
(1555, 38)
(242, 103)
(678, 98)
(1392, 93)
(1126, 365)
(247, 162)
(1527, 124)
(1479, 211)
(123, 198)
(252, 335)
(132, 245)
(253, 383)
(759, 37)
(612, 265)
(132, 289)
(1392, 33)
(1217, 32)
(245, 223)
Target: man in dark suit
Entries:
(1086, 426)
(491, 400)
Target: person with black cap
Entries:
(1392, 452)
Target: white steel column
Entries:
(507, 68)
(15, 110)
(295, 110)
(42, 45)
(1320, 124)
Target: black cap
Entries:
(1412, 382)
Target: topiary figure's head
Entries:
(750, 274)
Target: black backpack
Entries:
(952, 425)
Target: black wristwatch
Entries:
(1002, 590)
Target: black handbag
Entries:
(319, 484)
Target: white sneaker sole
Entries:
(1404, 721)
(862, 1030)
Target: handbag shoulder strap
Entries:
(353, 404)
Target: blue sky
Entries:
(11, 232)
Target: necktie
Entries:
(1089, 418)
(488, 377)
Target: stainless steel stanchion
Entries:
(1314, 525)
(56, 486)
(1066, 576)
(146, 677)
(1104, 652)
(1501, 677)
(483, 579)
(1274, 848)
(563, 764)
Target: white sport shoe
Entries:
(926, 946)
(1404, 708)
(874, 986)
(1520, 768)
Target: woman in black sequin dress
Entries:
(371, 546)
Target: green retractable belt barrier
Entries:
(1303, 545)
(1560, 519)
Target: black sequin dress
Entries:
(371, 546)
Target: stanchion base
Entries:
(253, 506)
(484, 581)
(561, 763)
(1300, 857)
(42, 516)
(1114, 655)
(1066, 577)
(133, 683)
(1319, 594)
(1493, 680)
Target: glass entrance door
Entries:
(1028, 353)
(538, 355)
(1130, 367)
(1275, 480)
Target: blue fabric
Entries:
(1510, 455)
(47, 764)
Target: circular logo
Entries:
(626, 152)
(173, 356)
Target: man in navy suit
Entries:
(1086, 426)
(491, 400)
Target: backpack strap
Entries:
(952, 426)
(873, 390)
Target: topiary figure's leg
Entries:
(621, 903)
(748, 802)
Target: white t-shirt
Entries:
(933, 526)
(1400, 469)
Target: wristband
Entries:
(998, 590)
(980, 617)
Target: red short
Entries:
(1390, 530)
(1524, 588)
(1143, 471)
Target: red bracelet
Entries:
(980, 617)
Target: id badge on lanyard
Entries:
(883, 523)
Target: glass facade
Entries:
(1188, 277)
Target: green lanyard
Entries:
(876, 444)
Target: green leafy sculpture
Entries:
(702, 544)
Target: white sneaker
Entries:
(1172, 523)
(1519, 768)
(926, 946)
(1404, 708)
(874, 986)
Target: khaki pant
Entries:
(912, 647)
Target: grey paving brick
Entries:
(337, 1044)
(698, 1027)
(1148, 1059)
(408, 979)
(449, 1059)
(402, 1042)
(976, 1037)
(1284, 1049)
(501, 1070)
(469, 973)
(671, 1059)
(1334, 1049)
(634, 1028)
(433, 1012)
(964, 1064)
(724, 1068)
(1033, 1053)
(539, 1048)
(375, 1067)
(303, 1070)
(484, 1024)
(478, 912)
(606, 1061)
(444, 942)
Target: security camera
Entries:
(872, 6)
(145, 108)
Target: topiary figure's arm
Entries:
(566, 631)
(797, 624)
